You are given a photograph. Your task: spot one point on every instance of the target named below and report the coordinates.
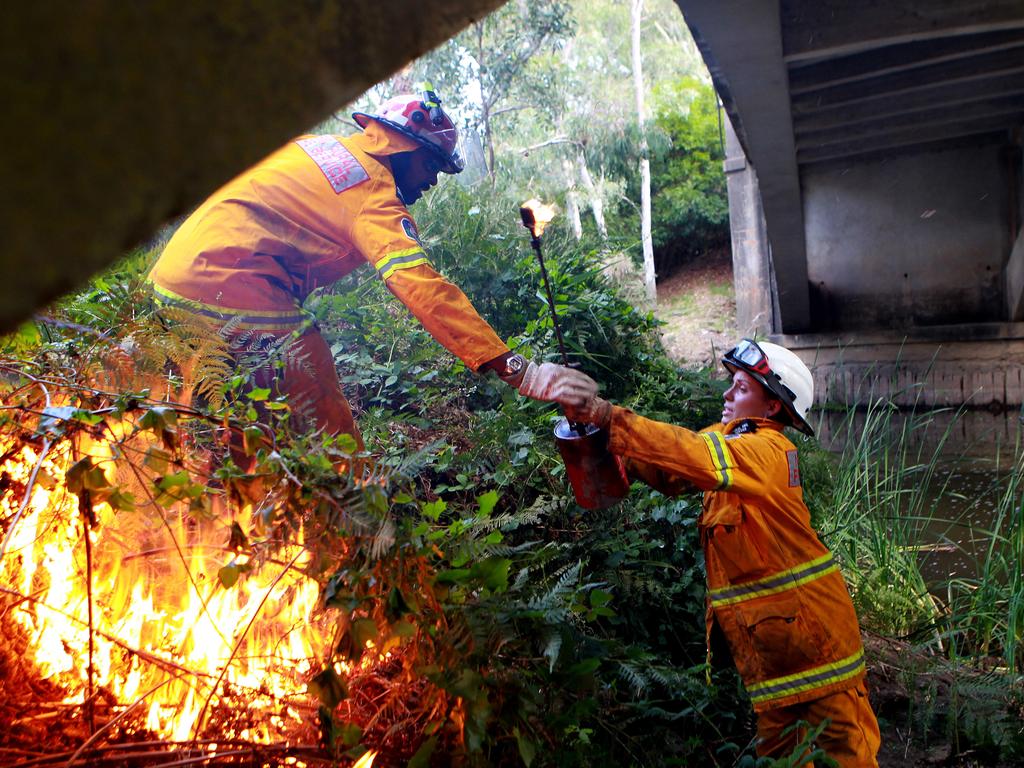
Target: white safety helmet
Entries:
(781, 372)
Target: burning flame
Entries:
(169, 641)
(536, 215)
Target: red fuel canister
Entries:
(597, 476)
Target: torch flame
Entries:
(365, 761)
(536, 215)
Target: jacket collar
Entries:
(751, 424)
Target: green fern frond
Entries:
(412, 464)
(634, 676)
(552, 646)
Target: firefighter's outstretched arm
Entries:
(446, 312)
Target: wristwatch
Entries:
(514, 365)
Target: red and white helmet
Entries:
(420, 118)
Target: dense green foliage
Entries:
(689, 200)
(608, 605)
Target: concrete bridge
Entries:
(874, 175)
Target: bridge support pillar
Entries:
(751, 264)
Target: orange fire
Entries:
(170, 641)
(536, 215)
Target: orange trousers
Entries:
(310, 381)
(851, 738)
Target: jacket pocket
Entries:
(782, 638)
(734, 545)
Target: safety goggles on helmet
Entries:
(748, 356)
(420, 117)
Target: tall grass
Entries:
(987, 611)
(889, 489)
(880, 507)
(896, 477)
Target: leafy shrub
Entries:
(689, 204)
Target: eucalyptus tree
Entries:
(646, 239)
(549, 89)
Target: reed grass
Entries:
(896, 472)
(896, 477)
(988, 610)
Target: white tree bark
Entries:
(646, 241)
(572, 203)
(593, 195)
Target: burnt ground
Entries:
(912, 692)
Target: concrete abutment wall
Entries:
(915, 266)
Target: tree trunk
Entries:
(485, 111)
(594, 195)
(646, 240)
(572, 204)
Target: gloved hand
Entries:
(549, 383)
(595, 411)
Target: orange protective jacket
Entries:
(773, 587)
(302, 218)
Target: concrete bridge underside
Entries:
(874, 168)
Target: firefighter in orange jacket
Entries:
(311, 213)
(774, 590)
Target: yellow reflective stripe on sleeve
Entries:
(721, 458)
(818, 677)
(396, 260)
(778, 582)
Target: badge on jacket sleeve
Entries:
(794, 468)
(410, 231)
(745, 427)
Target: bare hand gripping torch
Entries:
(597, 476)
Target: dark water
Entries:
(975, 453)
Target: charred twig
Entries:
(121, 716)
(86, 528)
(122, 751)
(47, 444)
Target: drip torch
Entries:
(597, 476)
(536, 216)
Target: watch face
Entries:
(514, 365)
